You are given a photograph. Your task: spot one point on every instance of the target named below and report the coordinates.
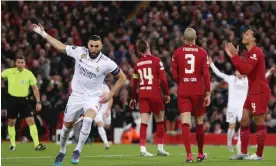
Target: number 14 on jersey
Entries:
(146, 75)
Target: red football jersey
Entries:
(150, 71)
(253, 66)
(190, 69)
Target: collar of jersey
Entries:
(19, 70)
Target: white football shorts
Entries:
(233, 114)
(79, 104)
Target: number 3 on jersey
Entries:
(146, 74)
(191, 61)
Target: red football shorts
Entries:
(257, 104)
(148, 105)
(193, 104)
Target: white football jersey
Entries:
(89, 73)
(237, 88)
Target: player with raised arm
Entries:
(148, 73)
(190, 70)
(91, 67)
(237, 92)
(253, 66)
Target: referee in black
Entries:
(19, 81)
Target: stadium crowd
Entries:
(161, 24)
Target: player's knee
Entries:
(86, 125)
(232, 126)
(186, 117)
(259, 119)
(245, 122)
(199, 120)
(11, 122)
(30, 121)
(158, 118)
(91, 113)
(68, 125)
(100, 124)
(145, 118)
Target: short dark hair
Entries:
(20, 57)
(256, 35)
(95, 38)
(142, 46)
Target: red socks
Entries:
(245, 132)
(200, 137)
(160, 130)
(261, 135)
(186, 137)
(143, 134)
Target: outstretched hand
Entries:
(39, 29)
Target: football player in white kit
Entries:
(102, 119)
(91, 67)
(237, 92)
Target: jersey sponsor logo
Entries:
(254, 56)
(74, 47)
(84, 72)
(144, 63)
(83, 56)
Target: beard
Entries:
(94, 56)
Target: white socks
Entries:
(143, 149)
(84, 133)
(230, 134)
(160, 147)
(63, 138)
(102, 134)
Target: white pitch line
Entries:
(96, 156)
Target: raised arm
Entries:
(54, 42)
(216, 70)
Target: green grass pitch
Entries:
(125, 155)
